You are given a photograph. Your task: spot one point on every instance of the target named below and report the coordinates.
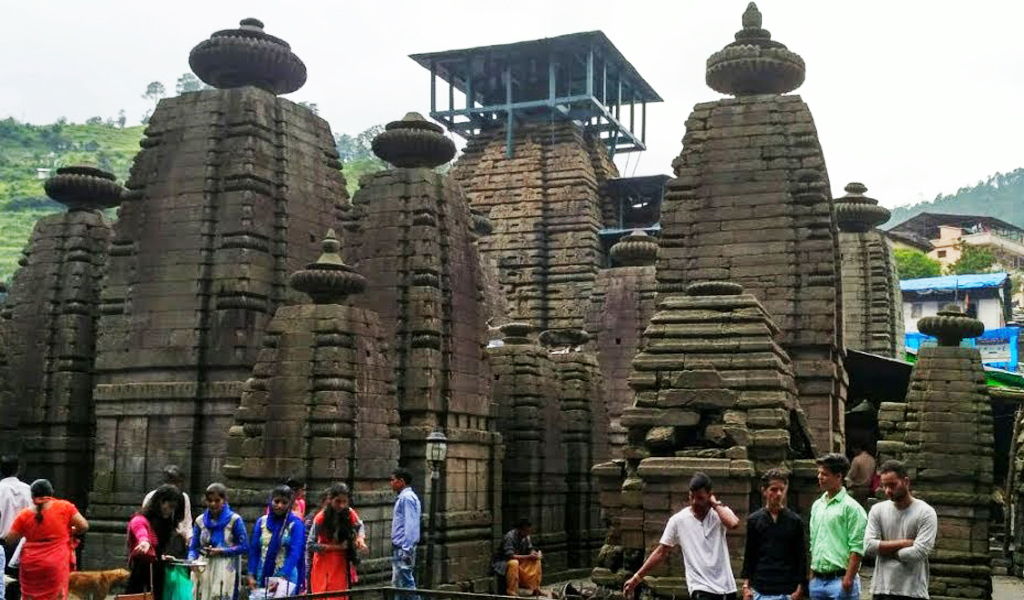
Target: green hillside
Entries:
(1000, 195)
(24, 148)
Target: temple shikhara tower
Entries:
(750, 203)
(543, 120)
(229, 195)
(50, 324)
(872, 305)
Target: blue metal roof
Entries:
(954, 282)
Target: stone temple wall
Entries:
(620, 307)
(584, 438)
(321, 405)
(545, 206)
(51, 323)
(230, 194)
(412, 235)
(530, 420)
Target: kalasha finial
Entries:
(247, 56)
(413, 142)
(516, 332)
(754, 63)
(564, 338)
(84, 188)
(635, 250)
(328, 280)
(714, 288)
(856, 213)
(950, 326)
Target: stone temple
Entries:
(583, 342)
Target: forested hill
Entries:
(1000, 195)
(27, 150)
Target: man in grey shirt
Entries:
(901, 533)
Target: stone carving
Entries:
(412, 235)
(545, 207)
(530, 420)
(872, 303)
(714, 393)
(620, 307)
(750, 203)
(321, 404)
(948, 448)
(230, 194)
(50, 333)
(754, 63)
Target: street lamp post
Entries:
(436, 451)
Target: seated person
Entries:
(518, 560)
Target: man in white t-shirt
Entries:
(699, 530)
(174, 476)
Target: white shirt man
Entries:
(699, 530)
(15, 496)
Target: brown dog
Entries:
(95, 585)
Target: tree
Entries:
(311, 106)
(121, 118)
(913, 264)
(94, 121)
(189, 83)
(973, 259)
(155, 91)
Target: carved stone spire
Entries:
(413, 142)
(248, 56)
(950, 326)
(635, 250)
(83, 188)
(754, 63)
(855, 212)
(328, 280)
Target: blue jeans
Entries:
(3, 567)
(403, 565)
(832, 589)
(758, 596)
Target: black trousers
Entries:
(892, 597)
(139, 578)
(13, 590)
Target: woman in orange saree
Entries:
(46, 557)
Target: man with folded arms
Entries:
(901, 533)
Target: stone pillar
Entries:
(949, 453)
(872, 303)
(412, 235)
(530, 421)
(714, 393)
(230, 194)
(750, 203)
(545, 204)
(321, 405)
(584, 438)
(620, 307)
(51, 332)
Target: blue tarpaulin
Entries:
(998, 347)
(954, 282)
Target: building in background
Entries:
(948, 233)
(983, 296)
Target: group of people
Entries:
(899, 532)
(286, 550)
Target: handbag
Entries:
(143, 595)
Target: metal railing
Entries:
(393, 593)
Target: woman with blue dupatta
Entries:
(276, 547)
(218, 535)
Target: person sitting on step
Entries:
(518, 560)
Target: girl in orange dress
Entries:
(337, 534)
(47, 554)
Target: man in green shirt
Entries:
(837, 534)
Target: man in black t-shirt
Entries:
(775, 561)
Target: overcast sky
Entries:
(913, 98)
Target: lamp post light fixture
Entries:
(436, 453)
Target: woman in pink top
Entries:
(149, 532)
